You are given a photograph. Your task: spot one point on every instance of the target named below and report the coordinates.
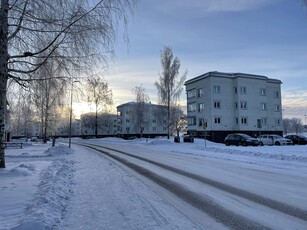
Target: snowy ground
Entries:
(60, 188)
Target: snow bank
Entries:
(59, 150)
(263, 154)
(48, 207)
(21, 170)
(160, 142)
(36, 187)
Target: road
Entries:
(218, 193)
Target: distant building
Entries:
(141, 119)
(63, 128)
(222, 103)
(107, 124)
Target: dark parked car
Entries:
(188, 138)
(297, 139)
(241, 139)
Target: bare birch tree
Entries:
(99, 94)
(297, 125)
(105, 123)
(286, 125)
(169, 86)
(21, 112)
(75, 33)
(178, 120)
(141, 97)
(47, 95)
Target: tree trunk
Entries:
(42, 123)
(45, 129)
(96, 119)
(2, 118)
(46, 115)
(3, 74)
(168, 114)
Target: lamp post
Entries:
(70, 114)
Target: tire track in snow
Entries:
(281, 207)
(201, 202)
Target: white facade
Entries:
(63, 128)
(233, 102)
(152, 120)
(107, 124)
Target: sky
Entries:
(265, 37)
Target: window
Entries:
(200, 122)
(154, 121)
(217, 120)
(191, 93)
(264, 121)
(243, 105)
(237, 120)
(192, 107)
(262, 92)
(191, 120)
(243, 90)
(236, 105)
(216, 89)
(276, 108)
(201, 107)
(277, 121)
(263, 107)
(127, 120)
(244, 120)
(276, 94)
(201, 92)
(217, 104)
(235, 90)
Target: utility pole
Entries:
(70, 114)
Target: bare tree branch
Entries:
(169, 88)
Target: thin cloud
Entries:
(236, 5)
(169, 6)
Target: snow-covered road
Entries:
(106, 197)
(168, 186)
(231, 192)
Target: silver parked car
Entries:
(273, 139)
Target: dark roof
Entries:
(232, 75)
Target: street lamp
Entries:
(70, 115)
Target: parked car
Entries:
(240, 139)
(297, 139)
(273, 139)
(34, 139)
(188, 138)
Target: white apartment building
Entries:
(222, 103)
(63, 128)
(107, 124)
(136, 118)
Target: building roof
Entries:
(232, 75)
(135, 103)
